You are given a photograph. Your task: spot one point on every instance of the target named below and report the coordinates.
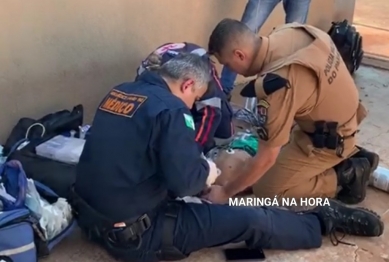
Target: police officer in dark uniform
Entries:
(142, 154)
(212, 113)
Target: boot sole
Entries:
(379, 229)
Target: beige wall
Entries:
(55, 54)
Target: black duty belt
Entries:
(118, 234)
(128, 234)
(328, 139)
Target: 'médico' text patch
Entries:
(122, 104)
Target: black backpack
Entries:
(349, 44)
(56, 175)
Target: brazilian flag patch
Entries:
(189, 121)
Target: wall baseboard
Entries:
(378, 61)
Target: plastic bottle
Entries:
(83, 131)
(380, 179)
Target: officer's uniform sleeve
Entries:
(206, 121)
(208, 116)
(184, 170)
(276, 111)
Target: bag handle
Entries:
(25, 139)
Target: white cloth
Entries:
(214, 172)
(196, 200)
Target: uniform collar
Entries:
(153, 79)
(262, 53)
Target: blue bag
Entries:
(21, 237)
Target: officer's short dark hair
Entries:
(225, 32)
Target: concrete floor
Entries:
(374, 91)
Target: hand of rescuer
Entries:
(214, 172)
(216, 195)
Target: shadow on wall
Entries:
(55, 54)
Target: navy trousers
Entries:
(201, 226)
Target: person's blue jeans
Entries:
(256, 14)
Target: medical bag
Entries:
(56, 175)
(22, 236)
(28, 134)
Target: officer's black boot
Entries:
(348, 220)
(353, 176)
(373, 158)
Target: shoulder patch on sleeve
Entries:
(262, 109)
(249, 90)
(189, 121)
(262, 133)
(274, 82)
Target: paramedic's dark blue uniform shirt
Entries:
(141, 147)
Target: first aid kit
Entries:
(33, 219)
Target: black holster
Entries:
(326, 136)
